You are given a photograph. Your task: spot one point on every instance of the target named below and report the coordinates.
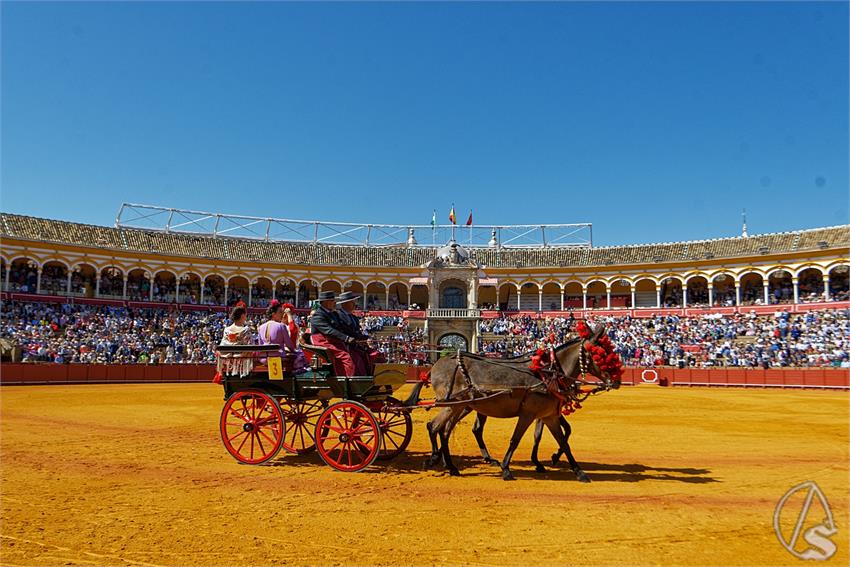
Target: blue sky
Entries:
(653, 121)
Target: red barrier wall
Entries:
(831, 378)
(22, 373)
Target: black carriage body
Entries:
(294, 411)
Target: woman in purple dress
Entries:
(276, 332)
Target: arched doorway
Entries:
(645, 293)
(507, 297)
(671, 292)
(621, 293)
(597, 295)
(752, 289)
(83, 278)
(697, 291)
(237, 290)
(419, 297)
(164, 287)
(529, 297)
(839, 283)
(23, 275)
(487, 297)
(723, 290)
(398, 296)
(780, 287)
(190, 288)
(376, 296)
(551, 297)
(111, 283)
(213, 290)
(54, 278)
(284, 291)
(453, 342)
(261, 292)
(810, 285)
(138, 284)
(573, 295)
(453, 295)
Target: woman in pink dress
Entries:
(276, 332)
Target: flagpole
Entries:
(454, 221)
(433, 229)
(470, 227)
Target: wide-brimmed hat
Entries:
(326, 296)
(346, 296)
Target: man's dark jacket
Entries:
(328, 324)
(350, 323)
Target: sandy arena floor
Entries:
(136, 474)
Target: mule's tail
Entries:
(413, 398)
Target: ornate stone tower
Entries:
(453, 286)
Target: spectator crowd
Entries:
(815, 338)
(69, 333)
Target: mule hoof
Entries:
(582, 477)
(492, 462)
(428, 464)
(454, 472)
(555, 457)
(506, 475)
(540, 468)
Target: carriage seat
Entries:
(305, 344)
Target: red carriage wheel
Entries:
(348, 437)
(252, 427)
(396, 430)
(301, 418)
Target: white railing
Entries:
(166, 219)
(454, 313)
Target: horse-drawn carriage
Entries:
(269, 407)
(351, 421)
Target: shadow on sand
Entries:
(412, 462)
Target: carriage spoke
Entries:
(241, 432)
(260, 443)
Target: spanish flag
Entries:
(452, 217)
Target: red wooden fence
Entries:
(45, 373)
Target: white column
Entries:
(518, 298)
(250, 294)
(738, 293)
(97, 284)
(794, 284)
(710, 295)
(363, 302)
(540, 299)
(684, 296)
(562, 299)
(386, 297)
(38, 281)
(124, 290)
(9, 269)
(177, 290)
(608, 293)
(150, 287)
(657, 297)
(826, 288)
(583, 298)
(766, 292)
(202, 291)
(633, 296)
(68, 284)
(225, 294)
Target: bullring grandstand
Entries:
(496, 297)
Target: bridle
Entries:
(603, 385)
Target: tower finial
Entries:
(744, 226)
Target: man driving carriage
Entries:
(365, 357)
(327, 330)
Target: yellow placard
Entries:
(275, 368)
